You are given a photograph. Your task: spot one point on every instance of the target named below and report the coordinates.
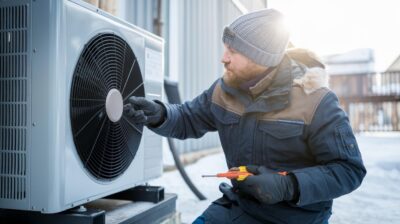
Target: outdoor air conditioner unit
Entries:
(66, 70)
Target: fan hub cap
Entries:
(114, 105)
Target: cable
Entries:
(182, 171)
(171, 89)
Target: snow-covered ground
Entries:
(376, 201)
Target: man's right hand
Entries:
(269, 186)
(143, 111)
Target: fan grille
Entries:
(106, 148)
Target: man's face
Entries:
(238, 68)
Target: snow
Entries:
(376, 201)
(378, 198)
(188, 204)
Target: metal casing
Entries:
(42, 171)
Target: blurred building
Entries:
(395, 66)
(371, 98)
(359, 61)
(192, 31)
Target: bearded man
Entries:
(273, 112)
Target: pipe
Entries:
(182, 171)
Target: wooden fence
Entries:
(372, 101)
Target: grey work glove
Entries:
(267, 186)
(228, 192)
(143, 111)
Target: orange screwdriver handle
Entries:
(239, 176)
(240, 173)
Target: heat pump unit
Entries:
(66, 70)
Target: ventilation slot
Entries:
(12, 90)
(12, 160)
(14, 68)
(14, 86)
(12, 140)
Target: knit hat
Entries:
(259, 35)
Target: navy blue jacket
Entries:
(278, 124)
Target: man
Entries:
(273, 113)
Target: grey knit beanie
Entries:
(259, 35)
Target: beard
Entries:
(232, 79)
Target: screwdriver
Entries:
(239, 173)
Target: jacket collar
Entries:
(249, 85)
(264, 83)
(270, 93)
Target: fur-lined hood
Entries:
(313, 79)
(315, 76)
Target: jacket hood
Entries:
(313, 79)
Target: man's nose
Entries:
(225, 58)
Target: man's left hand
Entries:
(268, 186)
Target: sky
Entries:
(337, 26)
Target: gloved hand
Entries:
(144, 111)
(228, 192)
(269, 187)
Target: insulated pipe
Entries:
(182, 171)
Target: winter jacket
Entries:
(289, 121)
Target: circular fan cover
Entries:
(106, 75)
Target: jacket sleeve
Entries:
(332, 142)
(188, 120)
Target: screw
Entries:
(34, 124)
(34, 50)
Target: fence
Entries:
(372, 101)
